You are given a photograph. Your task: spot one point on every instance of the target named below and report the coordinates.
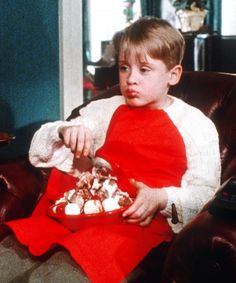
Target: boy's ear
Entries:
(175, 74)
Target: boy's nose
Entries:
(132, 77)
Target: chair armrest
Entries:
(205, 250)
(21, 185)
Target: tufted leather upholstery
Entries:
(200, 241)
(205, 250)
(215, 95)
(21, 185)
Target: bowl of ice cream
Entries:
(96, 200)
(77, 222)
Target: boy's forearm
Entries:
(46, 146)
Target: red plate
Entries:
(76, 222)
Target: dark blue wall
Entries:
(29, 69)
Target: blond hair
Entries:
(155, 37)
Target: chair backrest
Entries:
(215, 95)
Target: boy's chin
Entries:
(133, 102)
(136, 104)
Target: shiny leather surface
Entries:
(205, 250)
(21, 185)
(215, 95)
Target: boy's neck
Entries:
(166, 102)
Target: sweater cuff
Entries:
(172, 211)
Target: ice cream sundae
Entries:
(96, 191)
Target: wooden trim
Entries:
(71, 55)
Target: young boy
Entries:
(168, 149)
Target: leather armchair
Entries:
(205, 250)
(207, 238)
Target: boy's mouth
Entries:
(131, 93)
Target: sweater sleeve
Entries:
(48, 150)
(202, 177)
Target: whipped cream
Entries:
(95, 192)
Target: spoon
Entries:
(104, 166)
(100, 163)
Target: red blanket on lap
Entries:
(110, 252)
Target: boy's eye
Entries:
(144, 69)
(123, 68)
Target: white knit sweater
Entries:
(200, 180)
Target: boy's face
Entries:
(145, 82)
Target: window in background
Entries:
(101, 20)
(228, 23)
(168, 13)
(106, 17)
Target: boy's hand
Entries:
(77, 138)
(147, 203)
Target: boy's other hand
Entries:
(147, 203)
